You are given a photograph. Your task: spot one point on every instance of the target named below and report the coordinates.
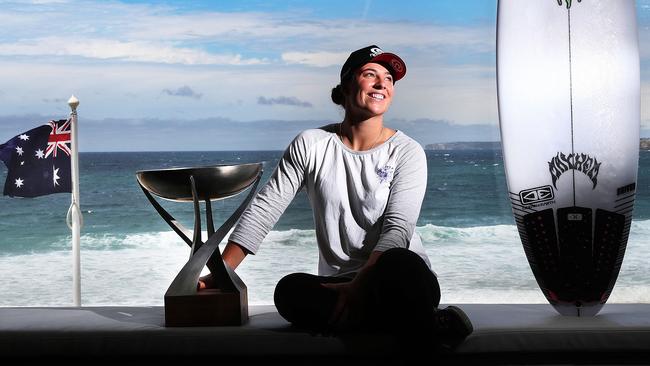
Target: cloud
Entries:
(292, 101)
(47, 2)
(184, 91)
(110, 49)
(318, 59)
(55, 100)
(160, 33)
(101, 49)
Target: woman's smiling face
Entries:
(370, 91)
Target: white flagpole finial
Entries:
(73, 102)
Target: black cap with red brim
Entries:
(358, 58)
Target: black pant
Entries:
(401, 294)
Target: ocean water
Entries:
(129, 255)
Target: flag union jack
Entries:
(60, 139)
(32, 173)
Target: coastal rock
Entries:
(644, 144)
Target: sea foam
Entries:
(483, 264)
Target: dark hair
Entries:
(337, 95)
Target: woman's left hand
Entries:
(348, 301)
(349, 308)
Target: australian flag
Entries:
(38, 161)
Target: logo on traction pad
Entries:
(535, 195)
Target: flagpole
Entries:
(74, 218)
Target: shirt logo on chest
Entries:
(385, 173)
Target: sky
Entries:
(246, 75)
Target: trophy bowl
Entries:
(174, 183)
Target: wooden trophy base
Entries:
(210, 307)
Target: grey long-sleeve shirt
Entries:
(361, 200)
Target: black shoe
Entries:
(452, 326)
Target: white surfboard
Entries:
(568, 90)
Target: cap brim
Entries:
(396, 64)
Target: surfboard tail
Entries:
(575, 253)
